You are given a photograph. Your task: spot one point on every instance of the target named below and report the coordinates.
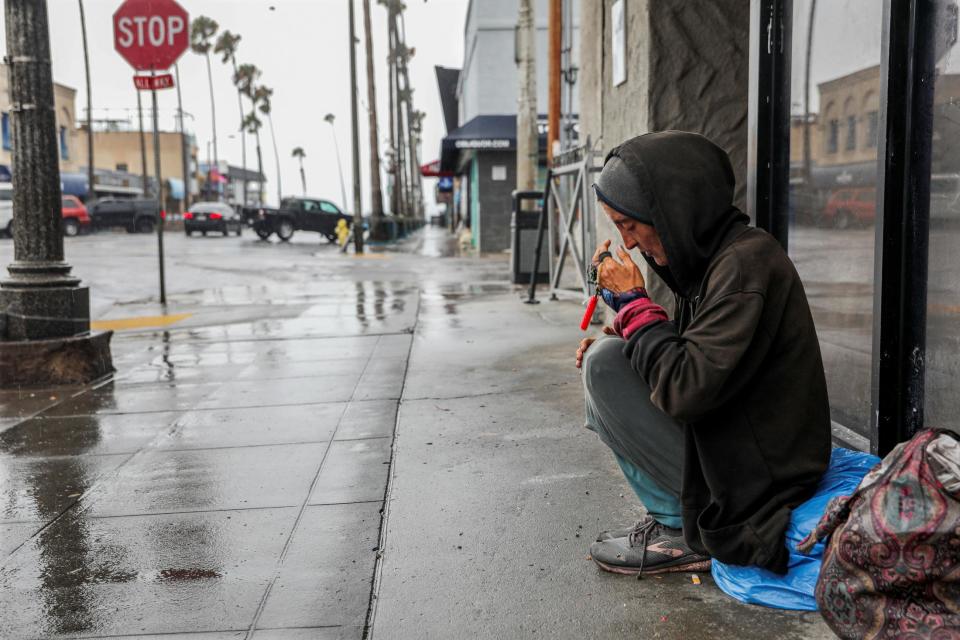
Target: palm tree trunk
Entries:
(276, 157)
(91, 193)
(243, 137)
(376, 194)
(259, 170)
(303, 178)
(213, 116)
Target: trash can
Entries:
(527, 207)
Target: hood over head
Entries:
(682, 184)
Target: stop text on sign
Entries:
(151, 34)
(155, 31)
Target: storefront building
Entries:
(842, 123)
(481, 151)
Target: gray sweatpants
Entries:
(647, 443)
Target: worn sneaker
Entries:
(623, 532)
(649, 549)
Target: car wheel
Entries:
(843, 220)
(225, 231)
(331, 238)
(9, 230)
(71, 228)
(144, 225)
(188, 232)
(285, 230)
(262, 233)
(239, 230)
(204, 233)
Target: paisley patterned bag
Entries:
(892, 566)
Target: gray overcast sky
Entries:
(301, 46)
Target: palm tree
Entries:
(252, 124)
(300, 154)
(376, 193)
(245, 80)
(202, 30)
(226, 47)
(266, 108)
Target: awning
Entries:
(490, 133)
(175, 188)
(74, 184)
(432, 170)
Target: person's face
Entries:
(637, 235)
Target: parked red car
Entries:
(850, 207)
(75, 216)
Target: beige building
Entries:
(67, 135)
(119, 151)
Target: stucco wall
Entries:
(687, 68)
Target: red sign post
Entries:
(151, 35)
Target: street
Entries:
(230, 481)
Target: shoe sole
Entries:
(698, 565)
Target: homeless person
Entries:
(719, 416)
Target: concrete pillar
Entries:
(40, 301)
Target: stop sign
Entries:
(151, 34)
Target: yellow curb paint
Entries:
(371, 256)
(142, 322)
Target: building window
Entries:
(64, 149)
(873, 126)
(833, 136)
(851, 133)
(6, 132)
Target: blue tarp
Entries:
(754, 585)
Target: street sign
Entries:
(153, 83)
(151, 34)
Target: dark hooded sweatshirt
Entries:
(739, 365)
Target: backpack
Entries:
(892, 566)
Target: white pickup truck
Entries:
(6, 209)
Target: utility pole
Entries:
(156, 172)
(376, 194)
(184, 158)
(91, 193)
(553, 81)
(527, 151)
(807, 162)
(43, 309)
(143, 148)
(355, 141)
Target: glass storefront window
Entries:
(835, 101)
(942, 402)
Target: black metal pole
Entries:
(91, 193)
(541, 227)
(902, 233)
(157, 174)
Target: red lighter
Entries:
(588, 314)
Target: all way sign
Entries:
(153, 83)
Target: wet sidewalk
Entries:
(230, 481)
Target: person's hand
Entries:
(619, 276)
(603, 246)
(585, 344)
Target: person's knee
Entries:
(603, 359)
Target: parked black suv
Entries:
(294, 214)
(136, 215)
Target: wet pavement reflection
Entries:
(230, 477)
